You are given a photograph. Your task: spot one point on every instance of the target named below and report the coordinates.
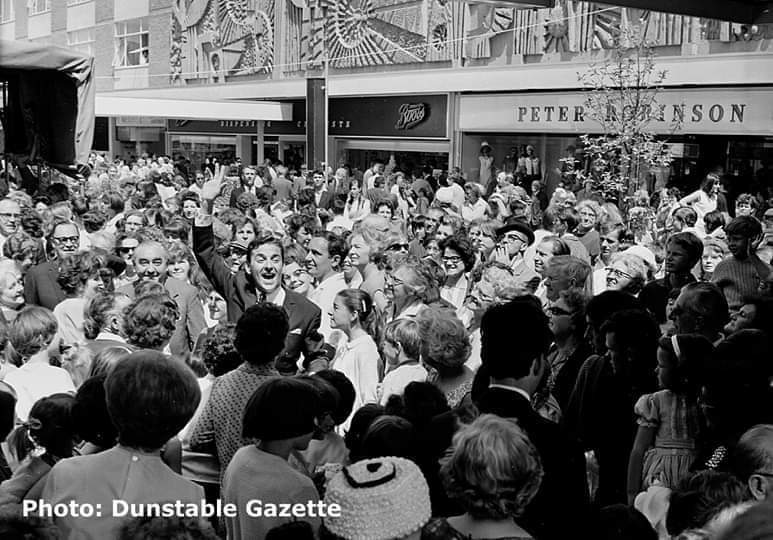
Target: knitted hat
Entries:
(380, 499)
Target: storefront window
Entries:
(197, 148)
(409, 162)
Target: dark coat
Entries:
(240, 292)
(41, 287)
(563, 484)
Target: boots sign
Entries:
(411, 114)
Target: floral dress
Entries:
(673, 452)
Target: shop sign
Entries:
(139, 121)
(395, 116)
(699, 111)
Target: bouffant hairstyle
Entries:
(713, 221)
(493, 470)
(20, 246)
(90, 416)
(150, 398)
(462, 245)
(177, 229)
(75, 271)
(498, 355)
(176, 250)
(384, 201)
(445, 344)
(261, 333)
(240, 221)
(150, 321)
(346, 393)
(219, 354)
(374, 230)
(99, 310)
(32, 331)
(281, 408)
(361, 421)
(296, 222)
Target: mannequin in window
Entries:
(529, 166)
(486, 164)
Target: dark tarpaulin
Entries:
(50, 110)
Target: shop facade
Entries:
(407, 133)
(731, 128)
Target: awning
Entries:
(739, 11)
(193, 109)
(50, 112)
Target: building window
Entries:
(39, 6)
(6, 11)
(82, 40)
(131, 43)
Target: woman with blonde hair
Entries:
(493, 472)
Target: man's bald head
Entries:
(752, 461)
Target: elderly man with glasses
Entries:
(10, 219)
(752, 461)
(40, 283)
(512, 241)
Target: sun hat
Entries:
(381, 499)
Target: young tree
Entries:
(622, 94)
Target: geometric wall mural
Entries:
(211, 39)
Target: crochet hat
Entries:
(380, 499)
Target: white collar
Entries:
(105, 335)
(521, 391)
(279, 299)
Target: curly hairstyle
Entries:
(493, 470)
(176, 250)
(149, 321)
(76, 270)
(220, 354)
(32, 223)
(445, 344)
(247, 201)
(21, 246)
(462, 245)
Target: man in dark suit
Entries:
(323, 196)
(40, 284)
(516, 367)
(261, 281)
(250, 184)
(150, 262)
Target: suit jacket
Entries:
(240, 293)
(191, 321)
(563, 484)
(326, 200)
(41, 287)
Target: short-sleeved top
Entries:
(396, 380)
(35, 380)
(118, 474)
(221, 419)
(255, 475)
(674, 417)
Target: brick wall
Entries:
(20, 12)
(160, 28)
(104, 48)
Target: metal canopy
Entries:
(192, 109)
(739, 11)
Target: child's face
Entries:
(743, 209)
(340, 317)
(738, 245)
(390, 351)
(710, 258)
(664, 371)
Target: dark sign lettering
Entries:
(411, 114)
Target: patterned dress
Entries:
(676, 421)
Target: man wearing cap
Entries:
(512, 241)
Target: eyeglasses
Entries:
(558, 312)
(398, 247)
(66, 239)
(391, 282)
(510, 238)
(618, 273)
(452, 259)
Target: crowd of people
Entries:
(442, 359)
